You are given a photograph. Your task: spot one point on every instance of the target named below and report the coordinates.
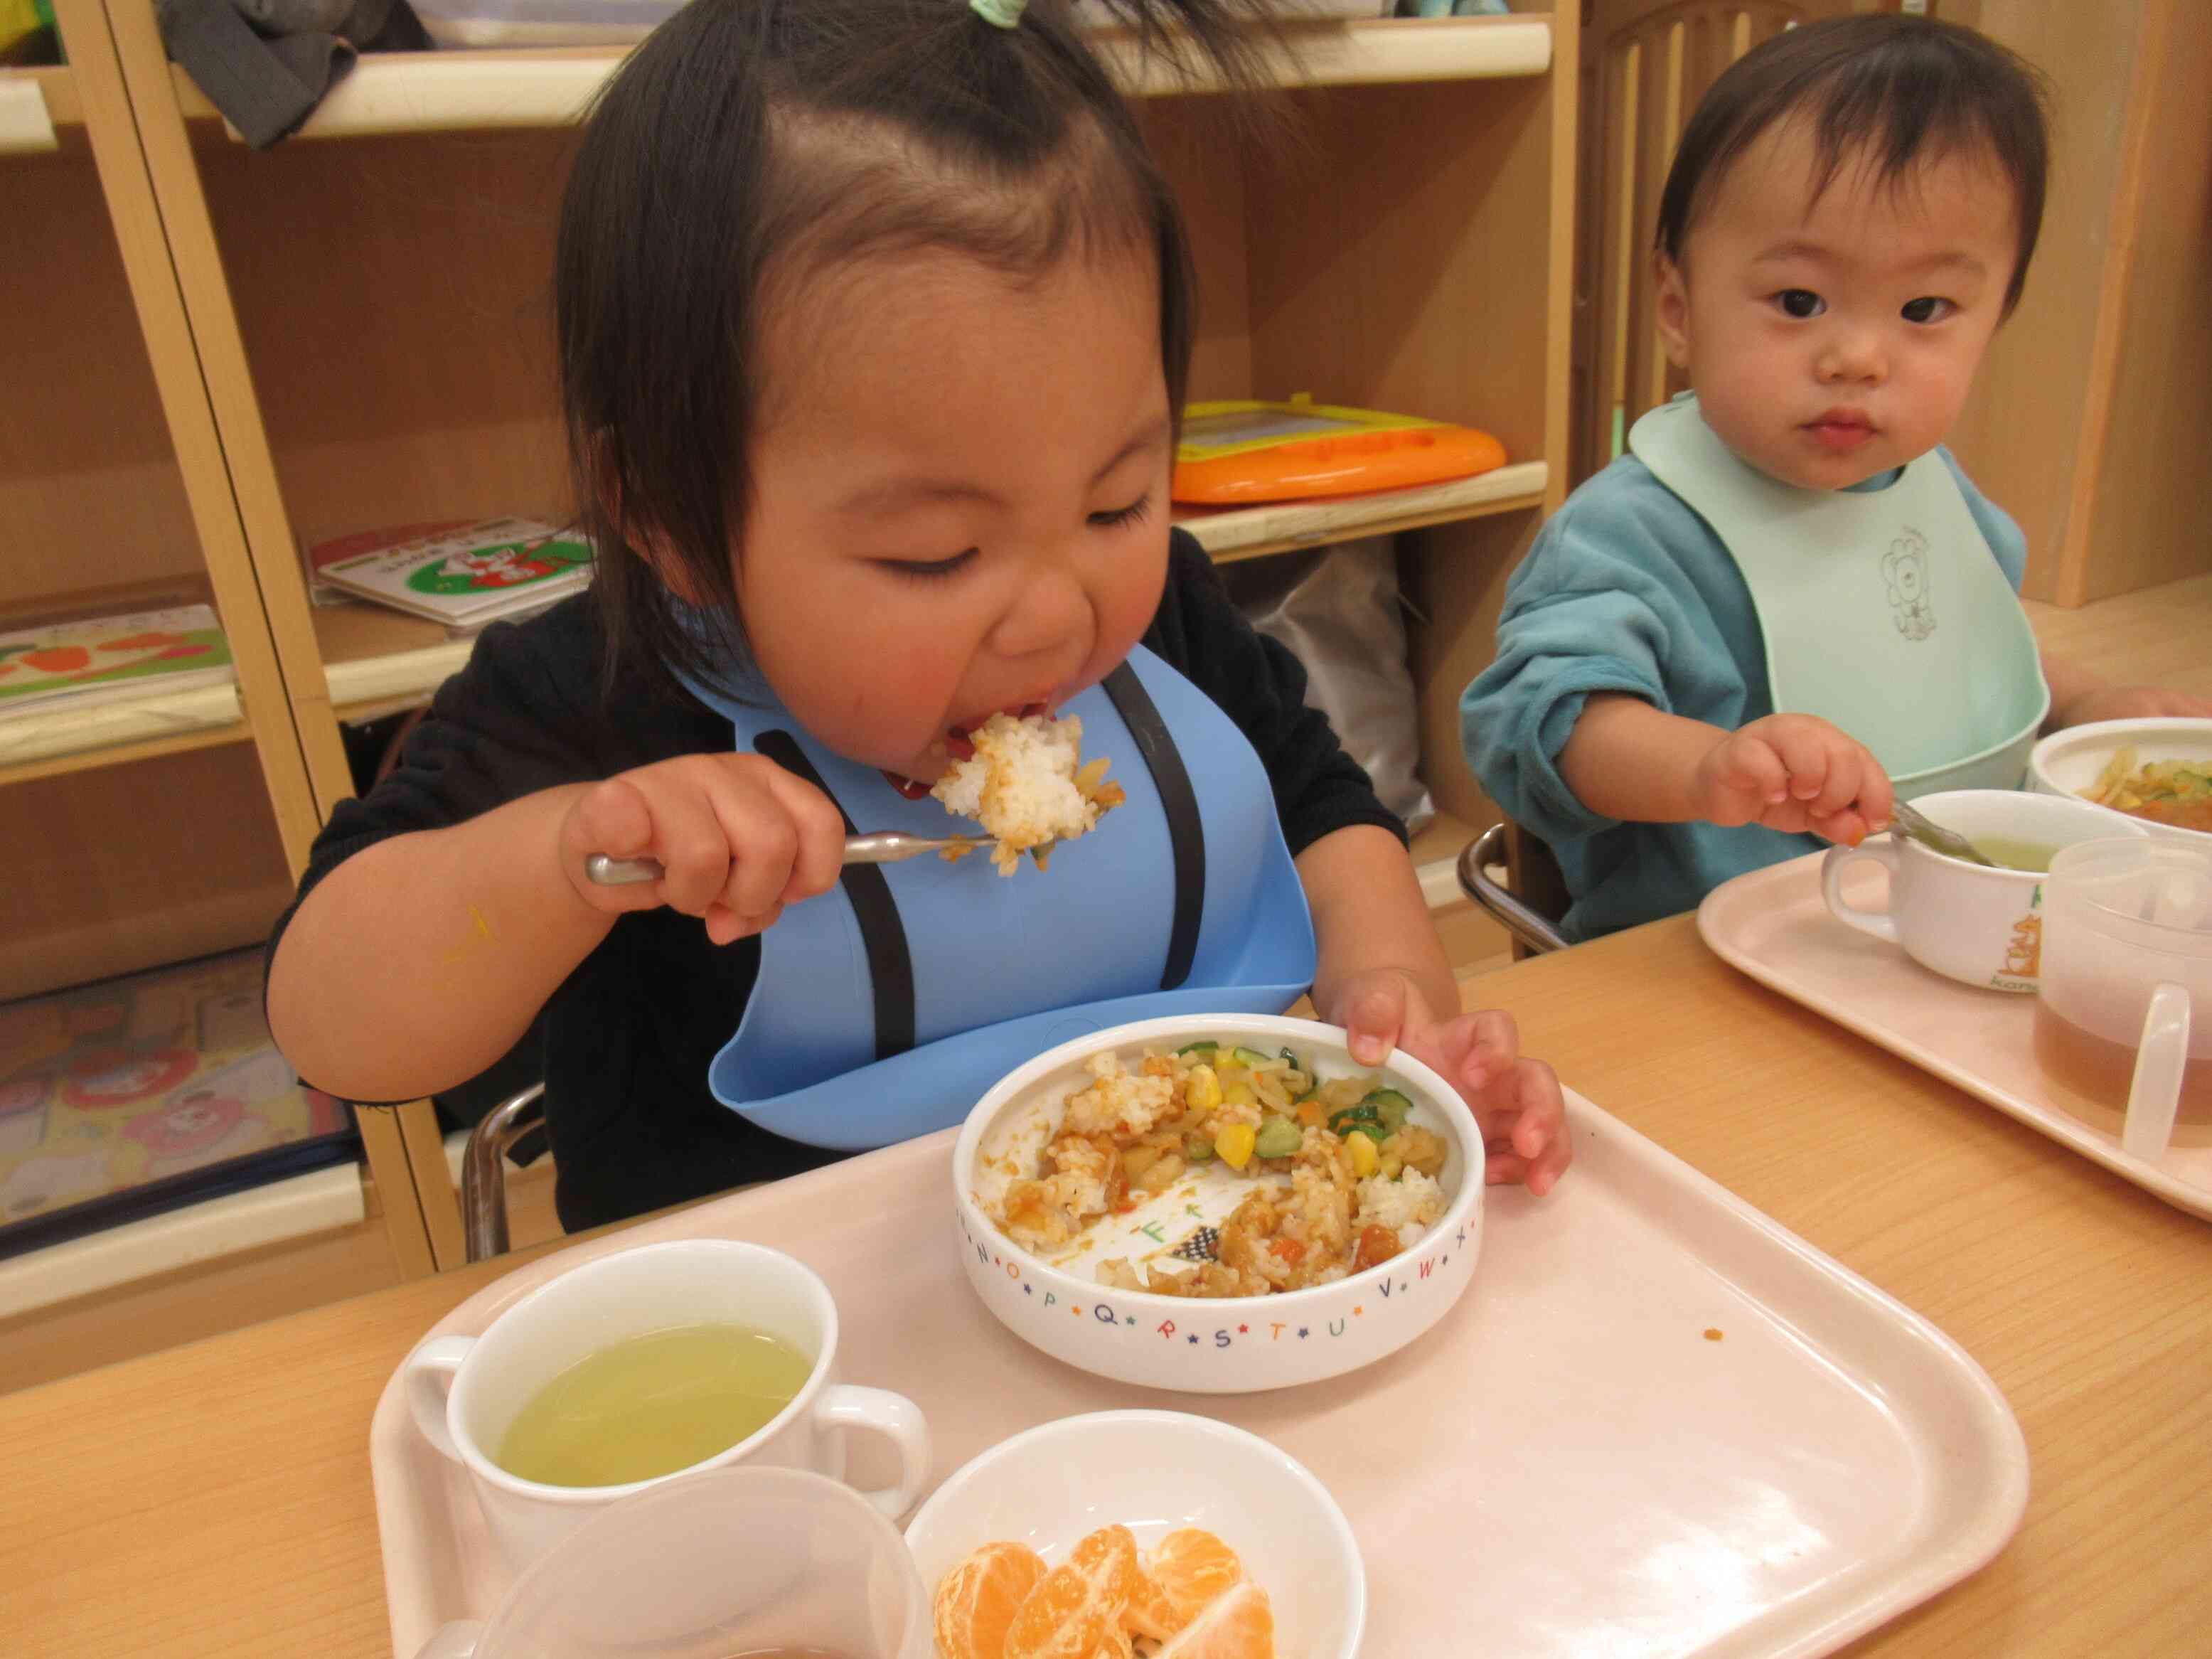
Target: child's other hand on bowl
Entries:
(1794, 772)
(1517, 1102)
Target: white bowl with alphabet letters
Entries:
(1228, 1344)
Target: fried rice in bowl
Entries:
(1220, 1205)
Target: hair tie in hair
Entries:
(999, 13)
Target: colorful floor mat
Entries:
(125, 1098)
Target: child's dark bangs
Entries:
(1882, 95)
(1894, 126)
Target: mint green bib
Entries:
(1883, 611)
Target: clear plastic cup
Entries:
(742, 1561)
(2124, 1011)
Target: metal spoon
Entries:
(884, 846)
(1916, 825)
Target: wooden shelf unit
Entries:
(115, 499)
(170, 824)
(374, 313)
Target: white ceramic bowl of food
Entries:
(1231, 1345)
(1153, 1472)
(2071, 762)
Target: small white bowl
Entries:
(2068, 761)
(1231, 1345)
(1153, 1472)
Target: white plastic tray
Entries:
(1773, 925)
(1656, 1424)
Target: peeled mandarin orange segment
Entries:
(1061, 1619)
(1190, 1568)
(1075, 1611)
(1240, 1625)
(977, 1600)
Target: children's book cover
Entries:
(133, 1096)
(341, 549)
(459, 574)
(105, 657)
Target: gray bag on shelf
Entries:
(1339, 611)
(266, 63)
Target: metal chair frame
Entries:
(483, 1169)
(1532, 929)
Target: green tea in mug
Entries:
(651, 1405)
(2015, 854)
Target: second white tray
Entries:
(1657, 1424)
(1773, 925)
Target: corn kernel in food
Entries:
(1203, 1092)
(1364, 1157)
(1234, 1143)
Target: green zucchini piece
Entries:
(1277, 1138)
(1391, 1106)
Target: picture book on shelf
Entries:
(102, 658)
(339, 549)
(464, 573)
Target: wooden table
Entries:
(215, 1499)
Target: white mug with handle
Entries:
(1966, 921)
(465, 1392)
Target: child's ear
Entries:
(1672, 309)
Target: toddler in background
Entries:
(1787, 599)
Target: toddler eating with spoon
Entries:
(1787, 603)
